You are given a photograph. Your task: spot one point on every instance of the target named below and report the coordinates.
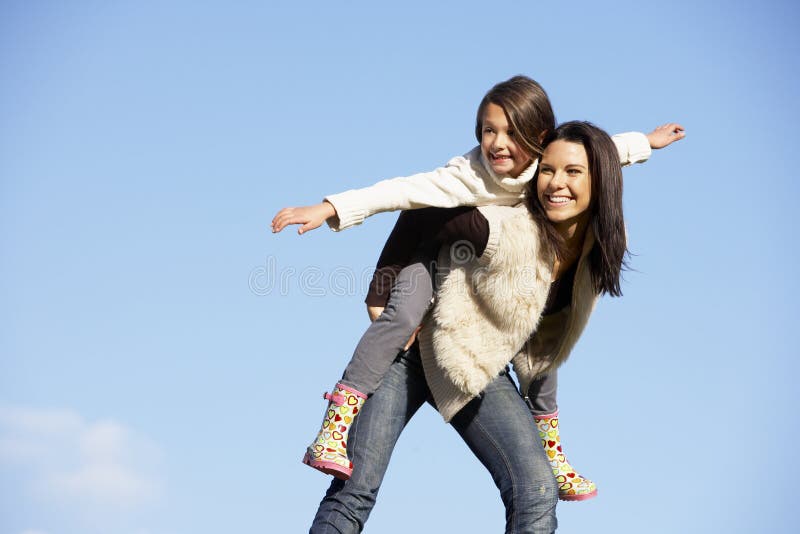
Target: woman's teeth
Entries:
(558, 200)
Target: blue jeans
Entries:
(497, 426)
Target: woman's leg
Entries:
(347, 504)
(499, 429)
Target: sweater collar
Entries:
(514, 185)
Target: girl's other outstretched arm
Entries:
(635, 147)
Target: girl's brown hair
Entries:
(527, 108)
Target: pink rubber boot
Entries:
(328, 453)
(572, 486)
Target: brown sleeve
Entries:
(397, 252)
(423, 232)
(465, 226)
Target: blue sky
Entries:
(162, 354)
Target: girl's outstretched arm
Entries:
(462, 182)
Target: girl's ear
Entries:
(542, 136)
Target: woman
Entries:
(486, 309)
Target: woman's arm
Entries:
(403, 241)
(421, 233)
(374, 312)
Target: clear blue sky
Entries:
(162, 354)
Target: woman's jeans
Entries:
(497, 426)
(388, 334)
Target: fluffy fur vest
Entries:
(488, 311)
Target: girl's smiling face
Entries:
(564, 186)
(498, 146)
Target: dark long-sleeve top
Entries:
(419, 234)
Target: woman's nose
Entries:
(559, 179)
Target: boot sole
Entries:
(329, 468)
(582, 497)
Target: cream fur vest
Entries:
(488, 312)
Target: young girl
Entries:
(511, 122)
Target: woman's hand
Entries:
(374, 312)
(310, 217)
(665, 135)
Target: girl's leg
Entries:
(498, 427)
(347, 504)
(388, 334)
(379, 346)
(572, 486)
(542, 395)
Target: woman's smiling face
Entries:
(564, 186)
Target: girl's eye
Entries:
(511, 133)
(573, 172)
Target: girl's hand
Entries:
(413, 338)
(310, 217)
(665, 135)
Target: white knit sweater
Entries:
(488, 312)
(463, 181)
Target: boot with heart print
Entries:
(328, 453)
(572, 486)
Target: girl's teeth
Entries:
(559, 200)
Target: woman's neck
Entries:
(573, 233)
